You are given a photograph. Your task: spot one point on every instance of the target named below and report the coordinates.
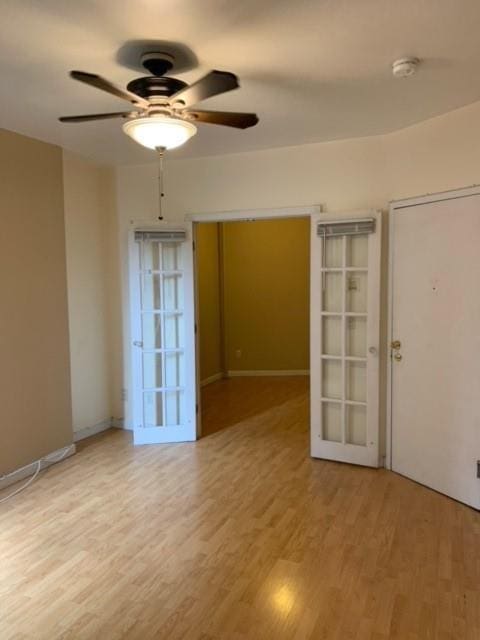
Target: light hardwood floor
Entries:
(239, 536)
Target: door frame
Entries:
(254, 214)
(234, 216)
(395, 207)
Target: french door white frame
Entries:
(188, 430)
(395, 206)
(370, 454)
(237, 216)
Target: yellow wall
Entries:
(265, 295)
(208, 299)
(34, 343)
(266, 267)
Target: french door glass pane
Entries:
(152, 330)
(332, 335)
(153, 409)
(174, 369)
(151, 256)
(332, 293)
(172, 292)
(356, 301)
(333, 252)
(173, 408)
(332, 379)
(357, 251)
(151, 291)
(356, 424)
(332, 421)
(171, 257)
(356, 337)
(152, 370)
(356, 381)
(173, 334)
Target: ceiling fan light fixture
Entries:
(159, 131)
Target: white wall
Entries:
(439, 154)
(91, 249)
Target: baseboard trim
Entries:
(117, 423)
(210, 379)
(274, 372)
(81, 434)
(29, 469)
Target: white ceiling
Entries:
(313, 70)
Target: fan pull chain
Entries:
(161, 194)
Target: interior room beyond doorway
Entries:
(253, 317)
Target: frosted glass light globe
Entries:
(159, 130)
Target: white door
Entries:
(344, 337)
(163, 334)
(435, 367)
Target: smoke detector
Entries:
(405, 67)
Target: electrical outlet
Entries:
(123, 394)
(238, 354)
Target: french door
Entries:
(344, 338)
(163, 334)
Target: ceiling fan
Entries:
(164, 114)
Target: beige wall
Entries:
(114, 294)
(442, 153)
(91, 246)
(34, 343)
(208, 291)
(436, 155)
(266, 266)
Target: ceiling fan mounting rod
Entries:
(157, 62)
(160, 154)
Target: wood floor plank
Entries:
(240, 536)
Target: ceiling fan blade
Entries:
(225, 118)
(100, 83)
(96, 116)
(212, 84)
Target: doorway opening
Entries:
(259, 300)
(253, 305)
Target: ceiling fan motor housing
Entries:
(150, 86)
(157, 84)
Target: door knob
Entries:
(398, 357)
(396, 344)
